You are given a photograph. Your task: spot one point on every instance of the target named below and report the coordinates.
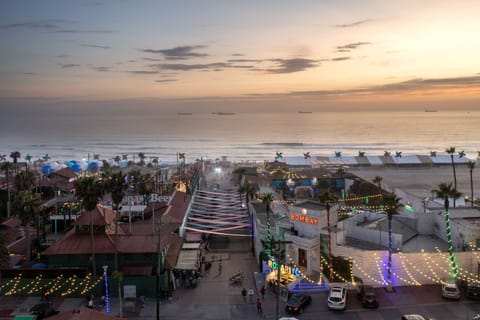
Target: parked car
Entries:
(337, 298)
(413, 317)
(450, 289)
(367, 295)
(297, 303)
(473, 291)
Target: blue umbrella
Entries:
(76, 168)
(46, 169)
(92, 165)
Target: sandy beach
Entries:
(420, 180)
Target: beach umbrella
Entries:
(93, 166)
(386, 153)
(433, 153)
(461, 154)
(3, 157)
(123, 163)
(69, 164)
(338, 154)
(361, 153)
(279, 155)
(76, 168)
(46, 169)
(56, 166)
(398, 154)
(306, 155)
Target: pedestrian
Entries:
(259, 306)
(244, 294)
(250, 294)
(262, 291)
(220, 267)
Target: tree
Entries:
(391, 204)
(451, 152)
(238, 173)
(446, 191)
(7, 167)
(116, 184)
(4, 254)
(117, 160)
(327, 198)
(378, 181)
(15, 155)
(267, 198)
(471, 166)
(26, 205)
(25, 180)
(89, 190)
(142, 157)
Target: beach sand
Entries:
(420, 180)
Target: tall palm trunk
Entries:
(329, 228)
(471, 167)
(92, 244)
(452, 258)
(454, 178)
(390, 249)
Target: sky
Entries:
(243, 55)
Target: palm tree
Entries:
(116, 184)
(391, 204)
(471, 166)
(117, 160)
(327, 198)
(4, 254)
(27, 205)
(142, 157)
(7, 166)
(90, 191)
(267, 198)
(378, 181)
(25, 180)
(239, 172)
(15, 155)
(446, 191)
(451, 152)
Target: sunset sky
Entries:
(289, 54)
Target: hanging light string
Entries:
(407, 271)
(366, 274)
(379, 269)
(463, 274)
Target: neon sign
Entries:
(285, 269)
(303, 218)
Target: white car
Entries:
(450, 289)
(337, 298)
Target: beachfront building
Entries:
(143, 245)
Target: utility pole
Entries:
(277, 310)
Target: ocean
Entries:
(239, 136)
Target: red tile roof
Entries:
(79, 243)
(66, 173)
(101, 217)
(12, 222)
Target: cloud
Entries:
(102, 69)
(351, 46)
(237, 55)
(84, 31)
(187, 67)
(292, 65)
(152, 59)
(70, 65)
(353, 24)
(165, 80)
(142, 72)
(412, 85)
(95, 46)
(41, 24)
(179, 53)
(244, 60)
(341, 59)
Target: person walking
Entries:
(259, 306)
(244, 295)
(262, 291)
(250, 294)
(220, 267)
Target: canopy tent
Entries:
(188, 260)
(218, 212)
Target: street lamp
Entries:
(105, 283)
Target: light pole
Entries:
(277, 310)
(105, 283)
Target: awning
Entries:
(191, 245)
(188, 260)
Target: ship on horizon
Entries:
(430, 110)
(184, 113)
(224, 113)
(304, 111)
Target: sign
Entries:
(285, 269)
(303, 218)
(152, 198)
